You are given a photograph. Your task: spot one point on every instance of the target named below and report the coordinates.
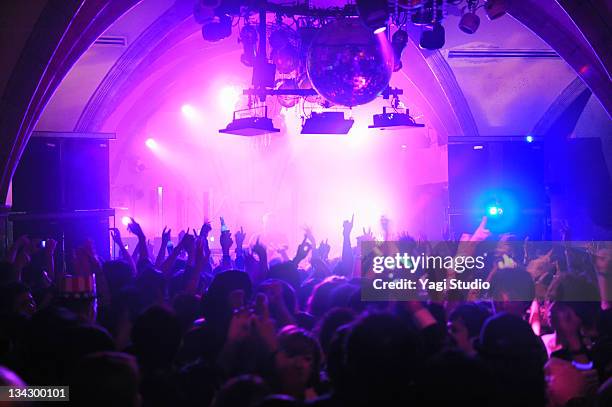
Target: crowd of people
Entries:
(256, 328)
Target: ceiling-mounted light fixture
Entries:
(394, 119)
(248, 38)
(327, 123)
(374, 14)
(470, 22)
(433, 39)
(398, 43)
(217, 28)
(495, 8)
(250, 125)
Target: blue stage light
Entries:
(529, 139)
(495, 210)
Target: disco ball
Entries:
(346, 63)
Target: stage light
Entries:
(327, 123)
(393, 119)
(470, 22)
(398, 43)
(529, 139)
(285, 58)
(251, 125)
(189, 112)
(217, 28)
(433, 39)
(478, 147)
(229, 97)
(126, 220)
(374, 14)
(495, 8)
(495, 211)
(151, 144)
(248, 37)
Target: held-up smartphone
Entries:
(43, 244)
(224, 227)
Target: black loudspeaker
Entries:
(57, 174)
(585, 189)
(502, 178)
(37, 179)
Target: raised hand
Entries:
(135, 228)
(367, 235)
(347, 226)
(302, 251)
(481, 233)
(226, 242)
(205, 229)
(166, 235)
(116, 236)
(324, 249)
(240, 236)
(260, 250)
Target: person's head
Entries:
(332, 320)
(278, 288)
(156, 336)
(16, 298)
(464, 324)
(77, 293)
(106, 379)
(118, 274)
(216, 303)
(297, 361)
(454, 378)
(383, 356)
(187, 308)
(286, 271)
(516, 356)
(512, 290)
(152, 285)
(563, 320)
(319, 300)
(245, 390)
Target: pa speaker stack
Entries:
(61, 190)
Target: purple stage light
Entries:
(126, 220)
(228, 98)
(151, 144)
(190, 112)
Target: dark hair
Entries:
(472, 315)
(156, 335)
(517, 283)
(245, 390)
(105, 379)
(296, 341)
(332, 320)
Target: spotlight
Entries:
(327, 123)
(433, 39)
(126, 220)
(151, 144)
(398, 43)
(495, 211)
(250, 125)
(217, 28)
(394, 119)
(529, 139)
(248, 37)
(470, 22)
(228, 97)
(374, 14)
(495, 8)
(189, 112)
